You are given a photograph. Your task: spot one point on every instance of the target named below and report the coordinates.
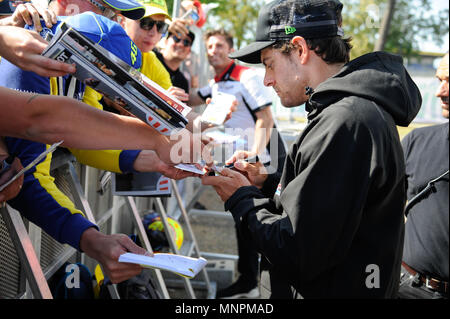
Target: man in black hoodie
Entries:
(334, 226)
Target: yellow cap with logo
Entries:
(153, 7)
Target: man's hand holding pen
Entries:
(237, 173)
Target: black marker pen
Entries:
(253, 159)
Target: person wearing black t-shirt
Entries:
(176, 50)
(425, 253)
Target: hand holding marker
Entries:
(253, 159)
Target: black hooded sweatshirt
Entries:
(335, 226)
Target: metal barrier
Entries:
(32, 257)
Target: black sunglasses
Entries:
(186, 42)
(148, 23)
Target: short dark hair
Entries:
(334, 49)
(227, 35)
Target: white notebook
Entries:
(181, 265)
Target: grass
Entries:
(402, 131)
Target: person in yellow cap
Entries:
(146, 33)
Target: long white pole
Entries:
(176, 8)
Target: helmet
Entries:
(156, 233)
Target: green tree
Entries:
(361, 22)
(385, 25)
(411, 23)
(237, 16)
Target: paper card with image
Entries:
(132, 92)
(193, 168)
(217, 110)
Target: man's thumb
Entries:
(226, 172)
(243, 166)
(131, 247)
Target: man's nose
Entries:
(442, 90)
(268, 81)
(153, 30)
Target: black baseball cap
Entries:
(284, 19)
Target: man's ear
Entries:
(302, 48)
(121, 20)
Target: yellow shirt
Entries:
(155, 70)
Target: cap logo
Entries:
(289, 30)
(134, 53)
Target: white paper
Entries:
(193, 169)
(217, 110)
(190, 168)
(181, 265)
(222, 138)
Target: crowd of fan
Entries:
(329, 217)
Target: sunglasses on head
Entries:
(186, 42)
(106, 10)
(148, 23)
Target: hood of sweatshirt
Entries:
(379, 77)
